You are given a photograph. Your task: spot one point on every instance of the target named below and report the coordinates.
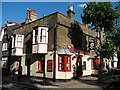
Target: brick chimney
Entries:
(70, 12)
(31, 16)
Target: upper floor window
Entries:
(36, 36)
(4, 47)
(43, 35)
(40, 35)
(19, 41)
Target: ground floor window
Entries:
(64, 63)
(84, 65)
(41, 65)
(95, 64)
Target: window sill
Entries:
(4, 50)
(64, 71)
(40, 72)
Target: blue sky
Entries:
(16, 11)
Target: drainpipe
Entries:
(54, 57)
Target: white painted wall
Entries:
(88, 70)
(115, 60)
(43, 48)
(18, 51)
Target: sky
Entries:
(16, 11)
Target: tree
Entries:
(101, 16)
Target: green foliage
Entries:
(100, 14)
(107, 49)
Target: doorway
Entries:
(79, 71)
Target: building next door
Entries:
(79, 71)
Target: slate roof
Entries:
(94, 55)
(64, 51)
(10, 29)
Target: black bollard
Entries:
(13, 74)
(44, 78)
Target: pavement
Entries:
(35, 83)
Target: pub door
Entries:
(79, 72)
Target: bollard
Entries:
(44, 78)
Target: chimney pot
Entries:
(43, 15)
(70, 7)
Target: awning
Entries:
(64, 51)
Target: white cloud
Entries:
(82, 5)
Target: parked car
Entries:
(116, 74)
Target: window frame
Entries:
(4, 46)
(42, 37)
(84, 65)
(97, 62)
(13, 41)
(65, 63)
(20, 41)
(16, 40)
(36, 36)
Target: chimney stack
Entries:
(85, 24)
(70, 12)
(31, 16)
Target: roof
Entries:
(85, 29)
(64, 51)
(10, 29)
(23, 24)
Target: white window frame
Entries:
(19, 40)
(4, 47)
(34, 39)
(43, 38)
(13, 41)
(16, 41)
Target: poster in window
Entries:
(49, 66)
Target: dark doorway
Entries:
(41, 64)
(28, 67)
(79, 72)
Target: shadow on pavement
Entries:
(9, 83)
